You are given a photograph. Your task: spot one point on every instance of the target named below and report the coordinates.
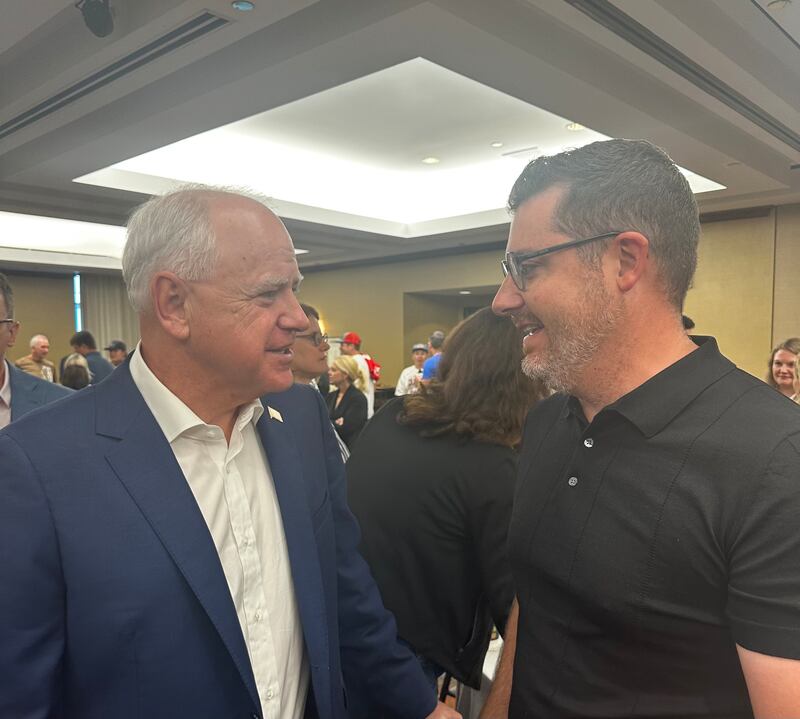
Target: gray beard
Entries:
(574, 342)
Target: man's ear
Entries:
(169, 294)
(12, 334)
(632, 256)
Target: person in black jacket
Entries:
(431, 483)
(347, 407)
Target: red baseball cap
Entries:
(351, 338)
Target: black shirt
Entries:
(646, 544)
(434, 518)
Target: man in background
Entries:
(653, 539)
(431, 366)
(20, 392)
(408, 382)
(36, 363)
(351, 346)
(117, 352)
(83, 343)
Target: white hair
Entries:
(38, 338)
(173, 233)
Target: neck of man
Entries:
(213, 402)
(303, 378)
(642, 346)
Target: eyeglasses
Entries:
(10, 321)
(315, 338)
(514, 263)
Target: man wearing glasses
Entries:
(654, 538)
(20, 392)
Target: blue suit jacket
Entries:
(29, 392)
(113, 600)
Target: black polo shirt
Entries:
(647, 544)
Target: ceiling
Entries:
(330, 106)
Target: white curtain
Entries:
(107, 314)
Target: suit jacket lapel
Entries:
(146, 465)
(286, 468)
(25, 395)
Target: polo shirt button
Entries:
(572, 481)
(588, 442)
(270, 694)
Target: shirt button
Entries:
(588, 442)
(270, 694)
(257, 616)
(572, 481)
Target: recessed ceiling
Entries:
(360, 155)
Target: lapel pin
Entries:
(274, 414)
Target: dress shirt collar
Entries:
(653, 405)
(5, 390)
(172, 415)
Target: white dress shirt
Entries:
(233, 486)
(5, 398)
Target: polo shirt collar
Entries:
(653, 405)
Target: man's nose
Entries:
(507, 298)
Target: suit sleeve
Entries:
(370, 652)
(31, 593)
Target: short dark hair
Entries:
(480, 392)
(621, 185)
(437, 339)
(8, 297)
(84, 338)
(310, 311)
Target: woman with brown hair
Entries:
(431, 483)
(781, 366)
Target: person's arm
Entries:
(773, 684)
(497, 702)
(370, 652)
(32, 633)
(354, 416)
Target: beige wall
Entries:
(43, 305)
(744, 293)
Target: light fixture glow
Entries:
(430, 160)
(243, 5)
(497, 144)
(575, 127)
(464, 292)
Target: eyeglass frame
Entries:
(513, 261)
(8, 320)
(316, 342)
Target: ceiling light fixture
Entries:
(243, 5)
(778, 4)
(465, 292)
(430, 160)
(97, 16)
(497, 144)
(575, 127)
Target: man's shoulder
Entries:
(25, 382)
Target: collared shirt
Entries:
(233, 486)
(646, 544)
(5, 398)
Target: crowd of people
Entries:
(570, 466)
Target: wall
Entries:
(745, 292)
(43, 305)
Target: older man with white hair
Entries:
(185, 548)
(36, 363)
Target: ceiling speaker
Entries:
(97, 16)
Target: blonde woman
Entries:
(347, 406)
(76, 373)
(782, 364)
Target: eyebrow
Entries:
(269, 284)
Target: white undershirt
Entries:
(5, 398)
(233, 487)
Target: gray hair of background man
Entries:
(436, 339)
(621, 185)
(173, 233)
(8, 297)
(38, 338)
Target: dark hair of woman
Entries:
(75, 377)
(480, 392)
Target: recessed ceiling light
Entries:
(243, 5)
(464, 292)
(575, 127)
(497, 144)
(430, 160)
(298, 251)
